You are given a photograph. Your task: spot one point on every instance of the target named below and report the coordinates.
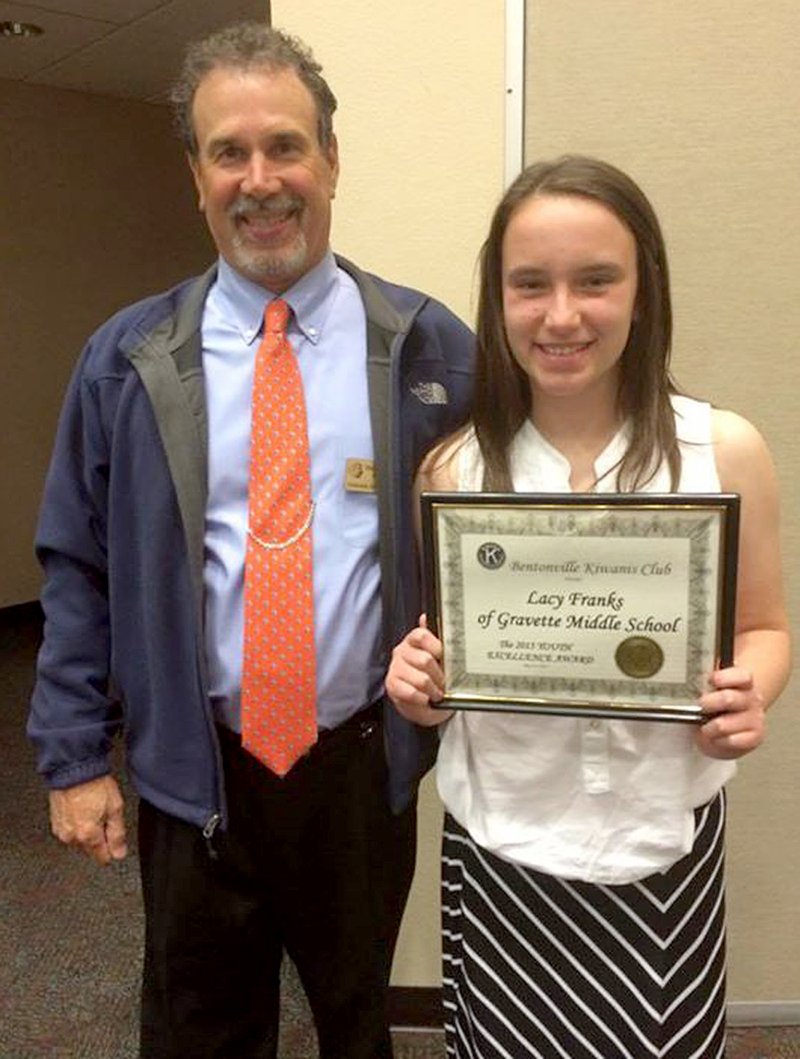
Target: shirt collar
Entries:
(311, 299)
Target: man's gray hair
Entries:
(246, 46)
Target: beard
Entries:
(284, 263)
(277, 266)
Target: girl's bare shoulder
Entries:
(741, 452)
(743, 459)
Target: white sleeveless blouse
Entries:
(605, 801)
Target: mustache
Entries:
(273, 206)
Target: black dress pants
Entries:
(314, 864)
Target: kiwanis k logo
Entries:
(491, 556)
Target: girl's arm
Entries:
(740, 694)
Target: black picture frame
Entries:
(701, 529)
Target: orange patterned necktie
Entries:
(279, 716)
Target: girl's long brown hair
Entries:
(502, 399)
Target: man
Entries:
(161, 524)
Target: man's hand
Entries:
(90, 816)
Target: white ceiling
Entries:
(126, 48)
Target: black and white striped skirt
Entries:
(538, 966)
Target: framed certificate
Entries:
(615, 605)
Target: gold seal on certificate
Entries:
(603, 605)
(639, 656)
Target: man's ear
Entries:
(332, 155)
(194, 165)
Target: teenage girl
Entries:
(582, 884)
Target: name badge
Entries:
(359, 476)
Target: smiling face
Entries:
(569, 291)
(264, 181)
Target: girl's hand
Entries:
(735, 711)
(415, 678)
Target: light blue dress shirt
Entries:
(327, 330)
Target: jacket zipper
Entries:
(208, 834)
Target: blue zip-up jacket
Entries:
(121, 531)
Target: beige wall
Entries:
(700, 102)
(96, 211)
(420, 127)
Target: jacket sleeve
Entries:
(439, 346)
(460, 354)
(73, 719)
(454, 342)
